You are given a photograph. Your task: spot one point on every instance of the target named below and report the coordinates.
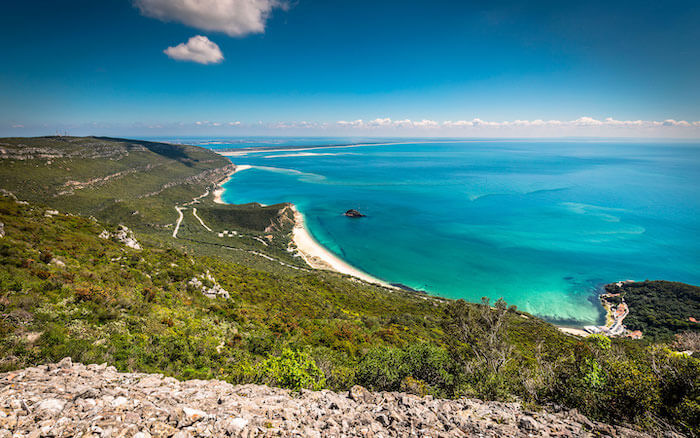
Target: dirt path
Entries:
(194, 213)
(179, 220)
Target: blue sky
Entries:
(324, 67)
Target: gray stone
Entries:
(50, 407)
(69, 399)
(528, 423)
(360, 394)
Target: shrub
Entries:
(423, 367)
(292, 369)
(602, 342)
(382, 369)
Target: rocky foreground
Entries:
(67, 399)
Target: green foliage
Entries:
(592, 374)
(601, 342)
(420, 368)
(292, 369)
(660, 309)
(382, 369)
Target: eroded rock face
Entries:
(70, 399)
(212, 289)
(122, 235)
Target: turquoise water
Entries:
(541, 224)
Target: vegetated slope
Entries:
(660, 309)
(66, 291)
(108, 178)
(139, 184)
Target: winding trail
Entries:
(179, 220)
(194, 213)
(181, 216)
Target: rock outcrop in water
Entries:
(68, 399)
(353, 213)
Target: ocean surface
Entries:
(542, 224)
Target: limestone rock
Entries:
(50, 407)
(72, 399)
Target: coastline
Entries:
(572, 330)
(313, 253)
(219, 191)
(318, 257)
(237, 152)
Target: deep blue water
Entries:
(541, 224)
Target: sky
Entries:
(341, 68)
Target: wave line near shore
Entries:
(313, 253)
(318, 257)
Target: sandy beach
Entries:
(319, 257)
(311, 251)
(573, 331)
(254, 150)
(219, 192)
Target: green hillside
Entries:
(660, 309)
(139, 184)
(204, 306)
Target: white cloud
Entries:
(198, 49)
(671, 122)
(458, 124)
(580, 125)
(425, 124)
(232, 17)
(355, 123)
(586, 121)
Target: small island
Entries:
(353, 213)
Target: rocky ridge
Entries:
(122, 235)
(68, 147)
(68, 399)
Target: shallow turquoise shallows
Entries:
(541, 224)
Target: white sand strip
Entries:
(319, 257)
(313, 253)
(573, 331)
(219, 192)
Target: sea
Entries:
(542, 224)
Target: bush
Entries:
(292, 369)
(382, 369)
(432, 365)
(426, 367)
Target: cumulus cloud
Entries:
(232, 17)
(585, 123)
(198, 49)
